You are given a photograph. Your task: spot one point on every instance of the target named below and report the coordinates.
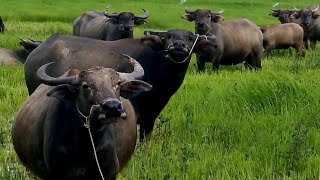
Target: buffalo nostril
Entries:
(113, 106)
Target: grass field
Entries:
(235, 124)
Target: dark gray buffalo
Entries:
(283, 36)
(165, 57)
(49, 135)
(310, 22)
(105, 26)
(11, 57)
(237, 41)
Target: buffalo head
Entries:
(126, 20)
(203, 18)
(307, 16)
(97, 91)
(178, 44)
(284, 16)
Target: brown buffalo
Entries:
(11, 57)
(283, 36)
(106, 26)
(232, 43)
(310, 22)
(49, 135)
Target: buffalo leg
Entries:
(253, 60)
(313, 44)
(201, 64)
(306, 43)
(146, 129)
(300, 49)
(267, 51)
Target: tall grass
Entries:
(234, 124)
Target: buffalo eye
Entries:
(190, 38)
(169, 36)
(209, 15)
(132, 18)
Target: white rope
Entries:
(95, 154)
(87, 125)
(189, 52)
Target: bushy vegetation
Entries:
(235, 124)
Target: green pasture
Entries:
(235, 124)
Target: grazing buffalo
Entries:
(232, 39)
(164, 56)
(285, 16)
(49, 132)
(310, 22)
(2, 27)
(105, 26)
(283, 36)
(11, 57)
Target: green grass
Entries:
(235, 124)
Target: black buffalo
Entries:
(48, 133)
(2, 27)
(106, 26)
(165, 57)
(236, 41)
(310, 22)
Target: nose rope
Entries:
(87, 125)
(188, 54)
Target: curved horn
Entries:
(51, 81)
(188, 11)
(295, 8)
(137, 72)
(145, 16)
(106, 9)
(316, 9)
(113, 15)
(220, 12)
(275, 5)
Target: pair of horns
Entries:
(114, 15)
(190, 11)
(137, 73)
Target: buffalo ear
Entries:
(139, 21)
(63, 92)
(153, 41)
(133, 88)
(274, 14)
(216, 17)
(315, 16)
(188, 17)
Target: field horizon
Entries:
(234, 124)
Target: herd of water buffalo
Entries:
(89, 91)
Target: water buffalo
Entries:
(310, 22)
(11, 57)
(285, 16)
(2, 27)
(105, 26)
(283, 36)
(165, 57)
(49, 132)
(233, 44)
